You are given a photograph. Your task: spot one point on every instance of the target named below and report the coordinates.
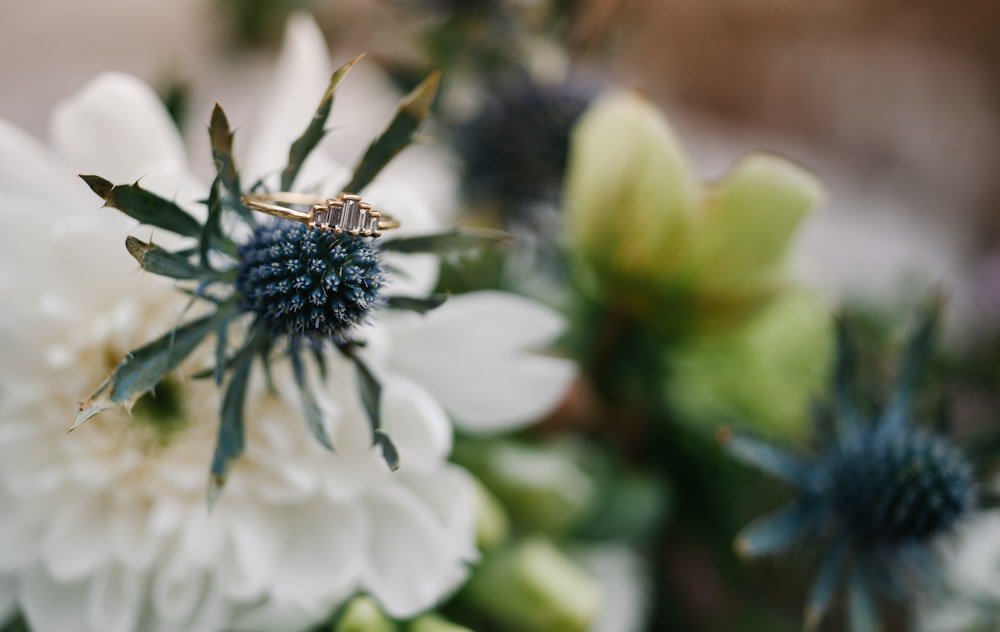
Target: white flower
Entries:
(106, 528)
(973, 573)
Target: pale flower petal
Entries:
(117, 128)
(417, 424)
(302, 76)
(49, 605)
(114, 602)
(406, 542)
(32, 169)
(491, 371)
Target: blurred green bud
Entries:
(532, 586)
(763, 375)
(434, 623)
(492, 524)
(543, 487)
(362, 614)
(667, 250)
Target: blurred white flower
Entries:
(973, 573)
(624, 580)
(106, 528)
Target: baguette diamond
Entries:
(346, 214)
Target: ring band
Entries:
(344, 214)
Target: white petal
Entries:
(450, 493)
(256, 545)
(416, 423)
(301, 78)
(323, 554)
(49, 605)
(117, 128)
(115, 600)
(413, 563)
(272, 617)
(133, 542)
(480, 355)
(176, 590)
(77, 543)
(32, 169)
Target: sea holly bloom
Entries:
(660, 247)
(880, 493)
(106, 528)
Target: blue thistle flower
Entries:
(300, 284)
(305, 283)
(516, 149)
(880, 492)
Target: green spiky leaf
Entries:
(231, 439)
(913, 363)
(413, 110)
(775, 532)
(389, 452)
(316, 129)
(455, 241)
(154, 259)
(221, 139)
(370, 390)
(768, 458)
(314, 417)
(825, 586)
(419, 304)
(144, 206)
(145, 367)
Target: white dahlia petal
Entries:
(489, 369)
(407, 542)
(116, 127)
(50, 605)
(302, 76)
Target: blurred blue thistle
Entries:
(290, 288)
(515, 149)
(879, 492)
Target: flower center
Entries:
(308, 283)
(901, 486)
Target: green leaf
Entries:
(823, 589)
(145, 367)
(389, 452)
(221, 139)
(413, 109)
(154, 259)
(775, 532)
(370, 390)
(913, 362)
(231, 441)
(144, 206)
(314, 133)
(419, 304)
(457, 240)
(314, 417)
(845, 376)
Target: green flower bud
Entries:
(362, 614)
(492, 523)
(542, 487)
(764, 374)
(664, 249)
(434, 623)
(532, 586)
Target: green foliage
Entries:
(413, 110)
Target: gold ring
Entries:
(346, 213)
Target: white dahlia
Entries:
(106, 528)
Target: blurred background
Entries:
(894, 105)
